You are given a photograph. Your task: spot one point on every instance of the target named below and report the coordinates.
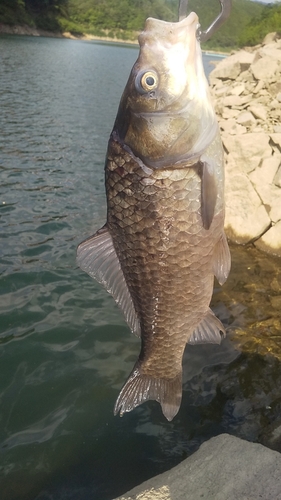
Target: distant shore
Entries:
(6, 29)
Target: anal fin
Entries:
(209, 331)
(140, 388)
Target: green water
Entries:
(65, 350)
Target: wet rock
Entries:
(275, 301)
(248, 107)
(271, 436)
(271, 241)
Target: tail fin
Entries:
(140, 388)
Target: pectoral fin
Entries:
(209, 331)
(208, 193)
(221, 260)
(97, 257)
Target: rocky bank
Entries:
(246, 89)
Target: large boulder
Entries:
(224, 468)
(231, 67)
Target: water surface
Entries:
(65, 350)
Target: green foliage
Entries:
(269, 20)
(124, 14)
(248, 24)
(228, 35)
(14, 12)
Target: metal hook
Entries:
(182, 9)
(224, 14)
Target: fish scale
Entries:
(163, 241)
(160, 254)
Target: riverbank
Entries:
(17, 29)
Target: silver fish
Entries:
(163, 241)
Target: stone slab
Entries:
(271, 241)
(224, 468)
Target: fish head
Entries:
(165, 114)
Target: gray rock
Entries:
(248, 149)
(264, 68)
(270, 194)
(266, 172)
(232, 100)
(231, 67)
(271, 51)
(276, 139)
(277, 178)
(224, 468)
(270, 37)
(246, 119)
(271, 241)
(227, 125)
(238, 89)
(258, 87)
(230, 113)
(227, 71)
(246, 219)
(258, 111)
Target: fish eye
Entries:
(146, 82)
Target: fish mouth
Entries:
(167, 32)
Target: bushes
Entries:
(268, 21)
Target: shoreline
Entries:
(25, 30)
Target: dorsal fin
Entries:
(97, 257)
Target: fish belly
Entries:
(166, 255)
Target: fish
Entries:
(163, 241)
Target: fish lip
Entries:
(168, 32)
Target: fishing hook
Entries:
(215, 25)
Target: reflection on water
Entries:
(65, 350)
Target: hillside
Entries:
(248, 23)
